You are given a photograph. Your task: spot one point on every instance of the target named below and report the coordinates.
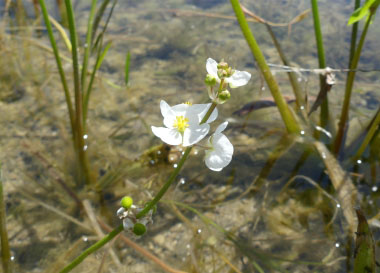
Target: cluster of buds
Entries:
(225, 76)
(128, 213)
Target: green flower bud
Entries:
(210, 80)
(126, 202)
(222, 65)
(139, 229)
(224, 95)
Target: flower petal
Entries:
(165, 109)
(180, 109)
(239, 78)
(167, 135)
(194, 134)
(212, 68)
(221, 155)
(221, 127)
(201, 109)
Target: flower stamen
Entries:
(181, 123)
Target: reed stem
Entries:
(291, 123)
(59, 66)
(324, 114)
(338, 143)
(5, 250)
(81, 151)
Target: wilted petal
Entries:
(127, 224)
(168, 135)
(194, 134)
(212, 68)
(239, 78)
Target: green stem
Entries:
(97, 65)
(88, 46)
(300, 101)
(354, 34)
(59, 65)
(5, 251)
(92, 249)
(78, 96)
(322, 62)
(149, 206)
(287, 116)
(349, 84)
(370, 133)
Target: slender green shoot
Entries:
(300, 100)
(127, 64)
(101, 34)
(59, 65)
(5, 250)
(84, 164)
(98, 63)
(290, 121)
(354, 34)
(92, 249)
(338, 143)
(87, 45)
(373, 127)
(322, 62)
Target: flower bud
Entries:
(223, 96)
(126, 202)
(210, 80)
(222, 65)
(139, 229)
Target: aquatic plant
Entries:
(186, 125)
(82, 88)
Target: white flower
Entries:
(220, 150)
(238, 78)
(182, 123)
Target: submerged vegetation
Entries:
(88, 180)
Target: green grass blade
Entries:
(97, 65)
(300, 100)
(364, 247)
(371, 130)
(87, 47)
(101, 34)
(338, 143)
(5, 250)
(127, 64)
(354, 34)
(322, 62)
(79, 132)
(287, 116)
(59, 65)
(98, 17)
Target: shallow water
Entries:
(259, 212)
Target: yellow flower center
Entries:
(181, 123)
(188, 103)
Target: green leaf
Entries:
(364, 247)
(360, 13)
